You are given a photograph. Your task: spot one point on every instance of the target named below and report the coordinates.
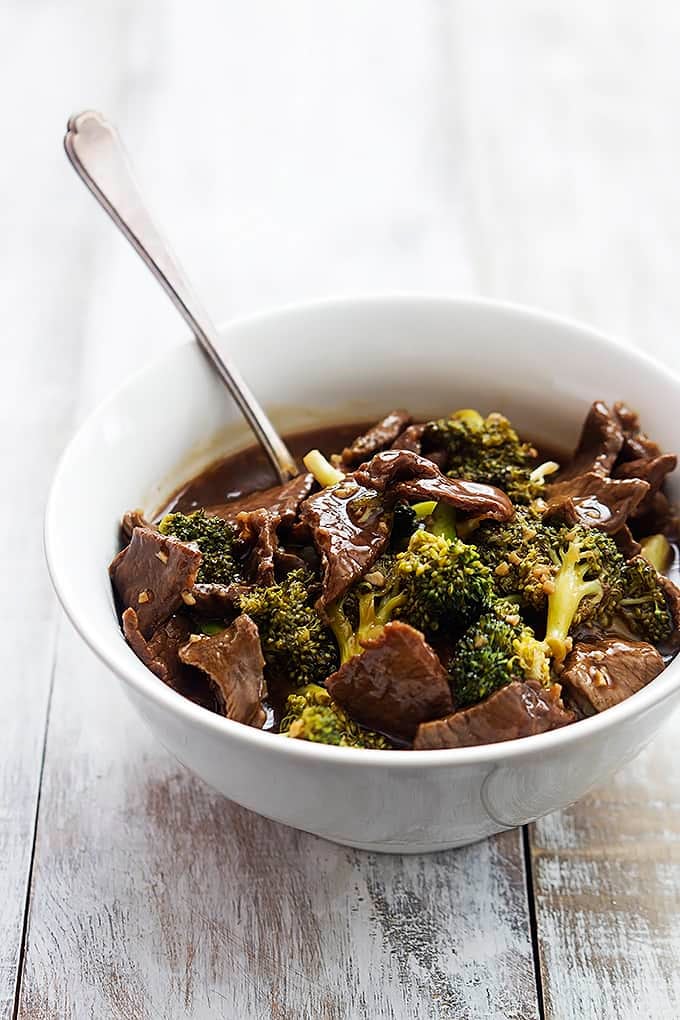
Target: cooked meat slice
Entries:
(134, 519)
(652, 471)
(626, 543)
(410, 439)
(154, 575)
(517, 710)
(397, 683)
(161, 655)
(595, 501)
(405, 475)
(350, 528)
(601, 674)
(672, 594)
(233, 661)
(217, 601)
(599, 445)
(636, 445)
(257, 529)
(283, 500)
(379, 437)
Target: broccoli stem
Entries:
(444, 522)
(563, 602)
(425, 509)
(322, 469)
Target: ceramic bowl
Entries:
(323, 363)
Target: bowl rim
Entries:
(143, 682)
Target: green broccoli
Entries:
(644, 606)
(495, 650)
(311, 714)
(442, 582)
(488, 450)
(588, 584)
(365, 609)
(434, 584)
(295, 643)
(519, 553)
(214, 537)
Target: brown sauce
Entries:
(249, 470)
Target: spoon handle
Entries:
(94, 148)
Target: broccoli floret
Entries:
(644, 605)
(365, 609)
(495, 650)
(588, 584)
(311, 714)
(214, 537)
(295, 643)
(519, 554)
(443, 583)
(487, 450)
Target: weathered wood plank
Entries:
(44, 277)
(154, 897)
(606, 876)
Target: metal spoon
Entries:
(94, 148)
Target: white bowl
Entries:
(334, 361)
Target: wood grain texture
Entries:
(154, 897)
(606, 875)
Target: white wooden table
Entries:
(525, 151)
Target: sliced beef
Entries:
(636, 445)
(404, 475)
(233, 661)
(283, 500)
(517, 710)
(595, 501)
(161, 655)
(652, 471)
(410, 439)
(397, 683)
(380, 437)
(672, 594)
(217, 601)
(153, 575)
(258, 531)
(626, 543)
(350, 528)
(134, 519)
(599, 675)
(599, 445)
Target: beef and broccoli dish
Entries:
(425, 585)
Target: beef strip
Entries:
(405, 475)
(379, 437)
(410, 439)
(599, 445)
(672, 594)
(636, 445)
(653, 471)
(397, 683)
(217, 601)
(626, 543)
(152, 574)
(233, 661)
(258, 530)
(283, 500)
(516, 710)
(134, 519)
(595, 501)
(161, 655)
(350, 528)
(601, 674)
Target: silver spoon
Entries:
(94, 148)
